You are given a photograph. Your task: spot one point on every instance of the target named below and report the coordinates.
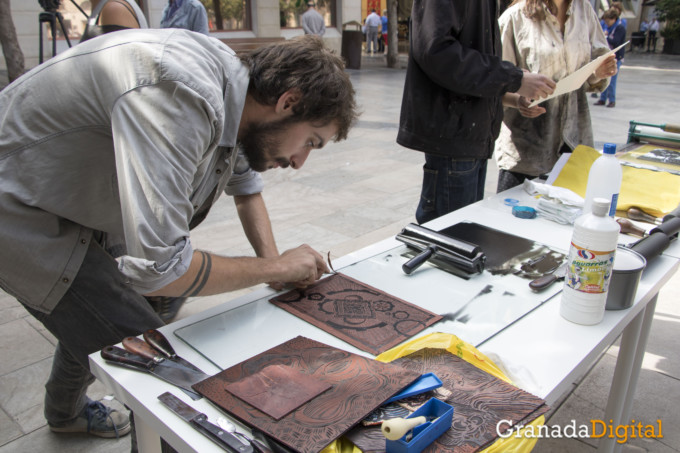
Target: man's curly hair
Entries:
(318, 74)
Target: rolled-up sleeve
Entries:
(243, 180)
(162, 135)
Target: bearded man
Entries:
(113, 151)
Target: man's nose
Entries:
(298, 160)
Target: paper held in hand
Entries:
(575, 80)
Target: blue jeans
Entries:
(449, 184)
(98, 310)
(610, 93)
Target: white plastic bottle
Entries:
(589, 266)
(604, 179)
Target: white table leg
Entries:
(637, 365)
(148, 440)
(621, 388)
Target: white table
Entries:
(563, 354)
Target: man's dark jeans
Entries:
(98, 310)
(449, 184)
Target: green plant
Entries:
(668, 11)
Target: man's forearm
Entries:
(210, 274)
(256, 224)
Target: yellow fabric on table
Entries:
(655, 192)
(514, 444)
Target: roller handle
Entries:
(638, 214)
(669, 227)
(671, 128)
(396, 428)
(651, 246)
(141, 348)
(418, 260)
(628, 227)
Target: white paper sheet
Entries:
(574, 80)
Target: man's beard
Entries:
(260, 143)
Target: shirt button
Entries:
(83, 241)
(65, 280)
(219, 172)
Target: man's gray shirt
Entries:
(127, 134)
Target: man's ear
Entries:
(286, 102)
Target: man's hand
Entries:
(302, 266)
(607, 68)
(529, 112)
(536, 86)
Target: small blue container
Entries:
(423, 435)
(424, 383)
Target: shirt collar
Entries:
(234, 100)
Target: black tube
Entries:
(651, 246)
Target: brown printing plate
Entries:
(359, 314)
(358, 386)
(480, 402)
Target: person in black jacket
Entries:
(452, 103)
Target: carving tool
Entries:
(543, 282)
(396, 428)
(158, 341)
(628, 227)
(640, 215)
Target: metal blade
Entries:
(177, 374)
(179, 407)
(200, 422)
(159, 342)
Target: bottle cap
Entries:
(600, 207)
(609, 148)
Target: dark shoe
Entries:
(166, 307)
(599, 103)
(97, 420)
(594, 95)
(611, 104)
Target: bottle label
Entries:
(612, 206)
(588, 270)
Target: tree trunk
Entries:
(14, 57)
(392, 34)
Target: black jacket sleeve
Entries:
(446, 46)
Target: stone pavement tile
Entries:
(319, 238)
(662, 347)
(363, 219)
(10, 309)
(9, 429)
(651, 400)
(45, 441)
(22, 394)
(40, 328)
(21, 345)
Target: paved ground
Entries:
(348, 196)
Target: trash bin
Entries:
(352, 38)
(637, 40)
